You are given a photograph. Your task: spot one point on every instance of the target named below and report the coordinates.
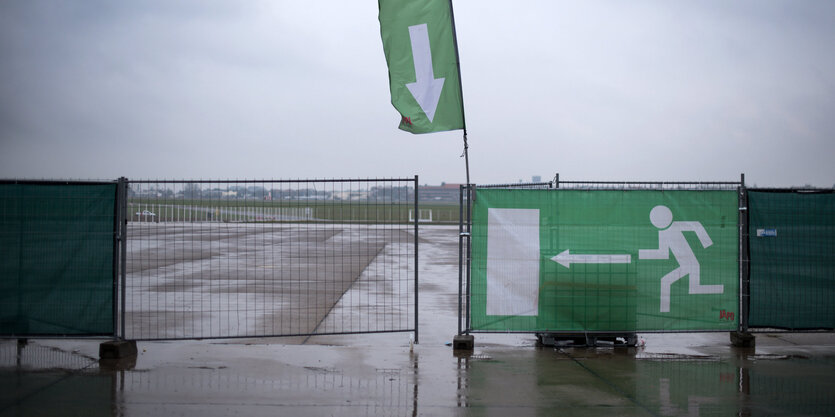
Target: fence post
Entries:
(117, 237)
(470, 195)
(122, 202)
(462, 341)
(460, 250)
(417, 219)
(743, 338)
(745, 287)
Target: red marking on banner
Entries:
(727, 315)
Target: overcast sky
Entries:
(273, 89)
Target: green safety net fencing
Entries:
(792, 251)
(56, 259)
(604, 260)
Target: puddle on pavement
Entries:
(631, 382)
(314, 380)
(28, 356)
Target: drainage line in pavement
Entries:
(606, 381)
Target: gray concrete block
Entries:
(463, 342)
(117, 349)
(743, 339)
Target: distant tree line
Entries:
(209, 191)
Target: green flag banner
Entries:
(571, 260)
(419, 43)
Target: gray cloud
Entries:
(274, 89)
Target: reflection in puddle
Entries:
(23, 356)
(391, 391)
(634, 382)
(76, 385)
(47, 381)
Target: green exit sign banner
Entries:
(577, 260)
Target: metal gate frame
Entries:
(123, 238)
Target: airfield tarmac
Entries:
(220, 280)
(681, 374)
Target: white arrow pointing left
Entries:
(566, 259)
(426, 89)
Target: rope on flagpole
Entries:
(466, 156)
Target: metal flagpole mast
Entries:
(469, 190)
(460, 92)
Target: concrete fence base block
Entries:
(743, 339)
(463, 342)
(117, 349)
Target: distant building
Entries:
(444, 193)
(536, 178)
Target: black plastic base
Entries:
(587, 339)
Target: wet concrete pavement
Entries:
(689, 374)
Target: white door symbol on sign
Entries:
(671, 240)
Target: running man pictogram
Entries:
(671, 239)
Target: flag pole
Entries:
(466, 154)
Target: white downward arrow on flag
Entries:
(426, 89)
(566, 259)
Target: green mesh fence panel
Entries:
(573, 260)
(792, 246)
(56, 259)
